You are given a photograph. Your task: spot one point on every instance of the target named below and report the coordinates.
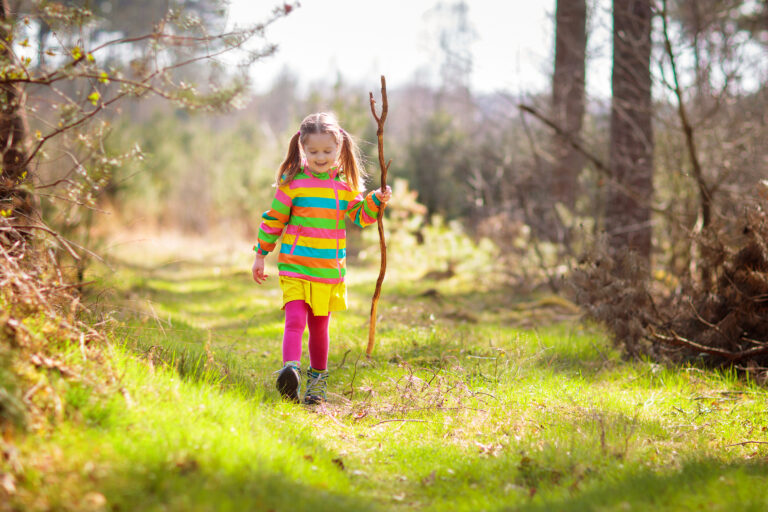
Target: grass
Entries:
(474, 400)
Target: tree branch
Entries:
(601, 167)
(676, 339)
(704, 192)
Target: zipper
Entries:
(295, 239)
(336, 194)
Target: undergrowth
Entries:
(464, 406)
(52, 365)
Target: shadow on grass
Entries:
(217, 296)
(190, 486)
(535, 481)
(185, 352)
(698, 485)
(467, 346)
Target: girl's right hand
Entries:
(258, 269)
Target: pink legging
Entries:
(297, 315)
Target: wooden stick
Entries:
(379, 218)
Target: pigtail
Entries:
(351, 161)
(292, 163)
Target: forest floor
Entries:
(474, 400)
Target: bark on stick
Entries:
(379, 220)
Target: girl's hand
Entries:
(384, 196)
(258, 269)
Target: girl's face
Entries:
(321, 151)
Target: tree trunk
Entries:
(628, 212)
(568, 96)
(14, 201)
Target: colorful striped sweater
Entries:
(312, 210)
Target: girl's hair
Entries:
(349, 156)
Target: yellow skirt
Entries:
(321, 297)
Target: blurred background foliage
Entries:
(471, 159)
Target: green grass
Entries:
(473, 401)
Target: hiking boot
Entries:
(289, 381)
(317, 383)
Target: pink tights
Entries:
(297, 315)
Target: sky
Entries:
(363, 39)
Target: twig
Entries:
(352, 380)
(572, 141)
(756, 342)
(434, 376)
(56, 235)
(65, 287)
(441, 408)
(380, 217)
(399, 419)
(341, 364)
(704, 321)
(473, 393)
(744, 443)
(605, 359)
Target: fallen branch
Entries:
(676, 339)
(745, 443)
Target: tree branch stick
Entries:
(380, 217)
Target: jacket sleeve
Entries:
(274, 220)
(364, 210)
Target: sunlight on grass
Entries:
(462, 407)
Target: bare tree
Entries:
(628, 212)
(568, 96)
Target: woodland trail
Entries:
(473, 401)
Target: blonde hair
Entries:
(349, 156)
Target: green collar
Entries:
(320, 175)
(333, 172)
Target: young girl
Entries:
(318, 185)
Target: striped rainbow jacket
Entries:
(312, 210)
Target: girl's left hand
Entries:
(384, 196)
